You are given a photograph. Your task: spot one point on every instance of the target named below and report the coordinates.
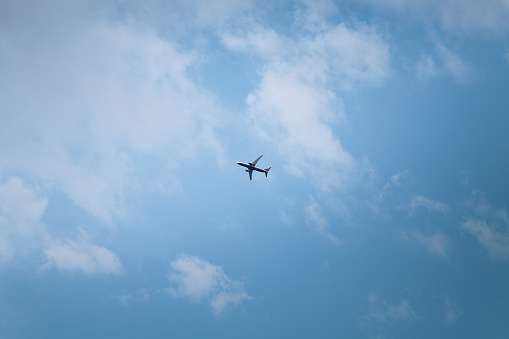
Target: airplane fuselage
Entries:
(251, 167)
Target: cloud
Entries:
(260, 41)
(21, 230)
(294, 105)
(426, 68)
(488, 225)
(493, 240)
(318, 222)
(142, 295)
(395, 180)
(436, 244)
(22, 233)
(81, 255)
(451, 311)
(311, 14)
(196, 279)
(430, 205)
(456, 15)
(383, 312)
(86, 96)
(444, 62)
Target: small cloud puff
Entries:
(436, 244)
(430, 205)
(444, 62)
(196, 279)
(387, 313)
(488, 225)
(82, 255)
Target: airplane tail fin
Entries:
(267, 171)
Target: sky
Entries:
(123, 212)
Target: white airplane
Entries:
(251, 167)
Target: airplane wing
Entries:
(254, 162)
(251, 175)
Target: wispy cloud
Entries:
(125, 299)
(437, 244)
(318, 222)
(451, 311)
(493, 240)
(196, 279)
(22, 232)
(444, 62)
(488, 225)
(107, 94)
(384, 312)
(430, 205)
(395, 180)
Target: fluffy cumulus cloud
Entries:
(490, 226)
(296, 102)
(84, 96)
(196, 279)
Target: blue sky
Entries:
(123, 213)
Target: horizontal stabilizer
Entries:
(267, 171)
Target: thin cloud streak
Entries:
(488, 225)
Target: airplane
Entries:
(251, 167)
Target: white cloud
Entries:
(453, 65)
(383, 312)
(311, 14)
(495, 241)
(395, 180)
(293, 106)
(85, 97)
(431, 205)
(21, 230)
(263, 42)
(436, 244)
(22, 233)
(196, 279)
(444, 62)
(488, 225)
(451, 311)
(142, 295)
(426, 68)
(81, 255)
